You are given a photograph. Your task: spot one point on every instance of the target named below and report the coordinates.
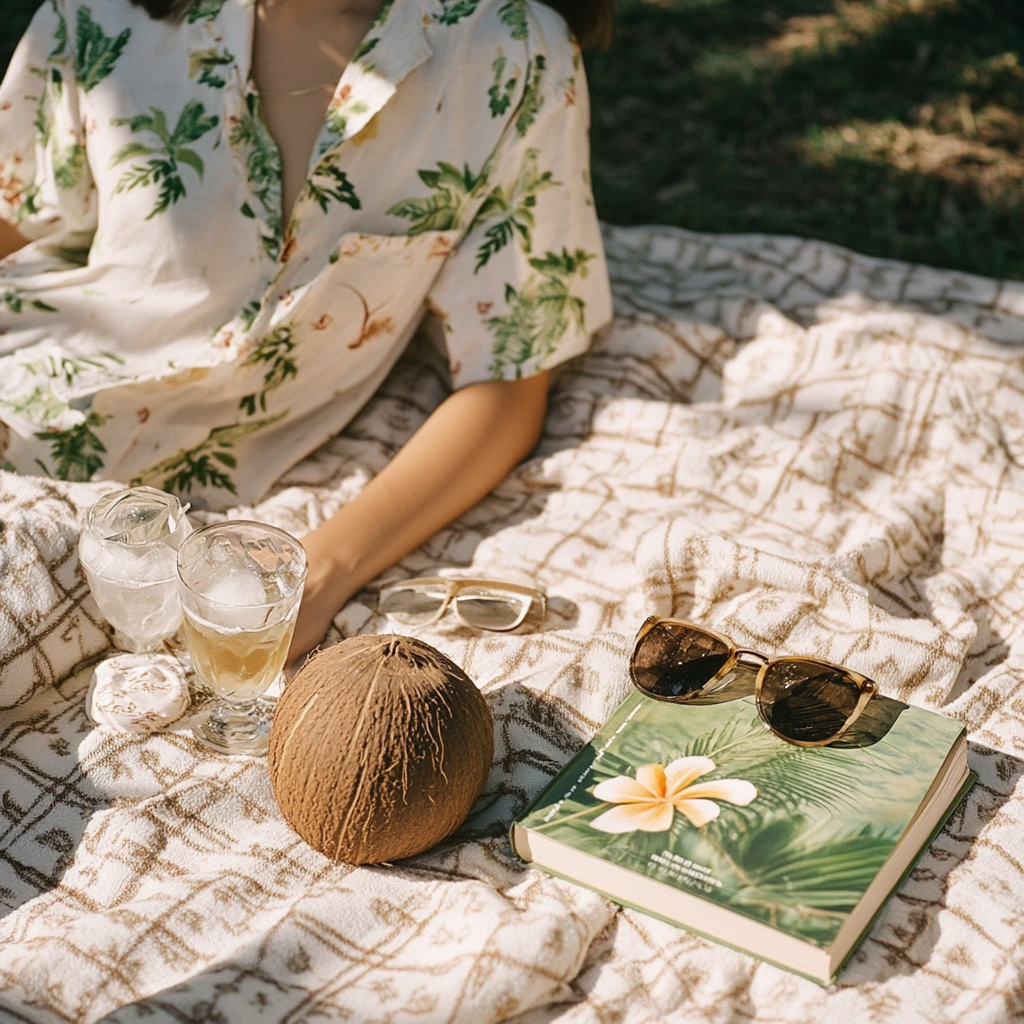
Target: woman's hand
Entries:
(460, 454)
(325, 592)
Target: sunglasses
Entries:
(482, 604)
(805, 701)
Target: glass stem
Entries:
(242, 718)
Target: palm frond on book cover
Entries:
(706, 800)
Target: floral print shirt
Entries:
(169, 326)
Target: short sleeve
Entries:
(527, 286)
(45, 184)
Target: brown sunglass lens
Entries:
(807, 702)
(676, 661)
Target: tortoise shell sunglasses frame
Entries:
(719, 687)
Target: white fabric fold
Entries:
(812, 451)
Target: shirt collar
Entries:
(395, 45)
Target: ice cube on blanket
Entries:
(137, 693)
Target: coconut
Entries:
(378, 749)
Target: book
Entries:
(700, 816)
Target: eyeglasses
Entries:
(805, 701)
(483, 604)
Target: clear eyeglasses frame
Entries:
(491, 605)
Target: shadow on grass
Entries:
(894, 127)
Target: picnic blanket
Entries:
(812, 451)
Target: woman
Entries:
(238, 215)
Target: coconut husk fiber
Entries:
(379, 747)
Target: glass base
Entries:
(123, 642)
(234, 728)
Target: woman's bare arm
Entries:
(461, 453)
(11, 239)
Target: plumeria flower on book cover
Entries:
(648, 803)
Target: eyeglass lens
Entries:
(491, 609)
(676, 660)
(805, 701)
(479, 606)
(413, 606)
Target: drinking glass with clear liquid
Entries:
(240, 585)
(129, 551)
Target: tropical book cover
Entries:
(783, 851)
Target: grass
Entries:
(894, 127)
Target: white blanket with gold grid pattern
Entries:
(814, 451)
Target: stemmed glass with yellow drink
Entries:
(240, 585)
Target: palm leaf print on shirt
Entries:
(249, 313)
(263, 172)
(532, 99)
(205, 10)
(40, 406)
(513, 14)
(14, 299)
(201, 466)
(49, 97)
(204, 63)
(371, 40)
(452, 189)
(68, 164)
(44, 109)
(57, 64)
(455, 12)
(365, 47)
(68, 159)
(514, 206)
(501, 93)
(170, 151)
(344, 104)
(71, 367)
(76, 451)
(275, 352)
(26, 201)
(328, 182)
(95, 52)
(538, 314)
(60, 37)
